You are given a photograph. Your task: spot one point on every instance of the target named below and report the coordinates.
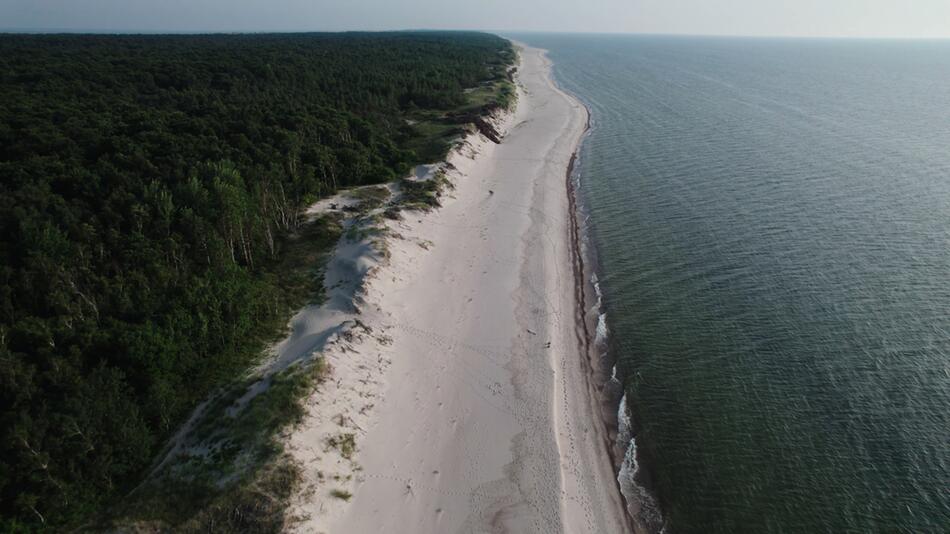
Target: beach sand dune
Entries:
(469, 405)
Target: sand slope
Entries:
(466, 394)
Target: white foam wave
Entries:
(615, 380)
(624, 427)
(600, 335)
(640, 504)
(596, 283)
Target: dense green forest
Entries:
(147, 188)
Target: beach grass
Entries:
(433, 133)
(235, 476)
(341, 494)
(433, 137)
(423, 195)
(304, 259)
(499, 92)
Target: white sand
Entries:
(467, 396)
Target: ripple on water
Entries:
(772, 225)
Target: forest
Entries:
(148, 186)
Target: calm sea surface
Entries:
(772, 220)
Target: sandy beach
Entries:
(459, 395)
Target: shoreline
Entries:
(587, 314)
(642, 512)
(606, 391)
(587, 306)
(434, 412)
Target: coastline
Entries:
(605, 388)
(602, 386)
(465, 389)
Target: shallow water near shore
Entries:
(772, 226)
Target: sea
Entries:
(771, 220)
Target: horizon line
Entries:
(130, 31)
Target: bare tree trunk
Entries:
(246, 247)
(270, 239)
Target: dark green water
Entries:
(772, 220)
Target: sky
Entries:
(812, 18)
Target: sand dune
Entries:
(461, 402)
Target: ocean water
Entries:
(772, 225)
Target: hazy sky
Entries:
(890, 18)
